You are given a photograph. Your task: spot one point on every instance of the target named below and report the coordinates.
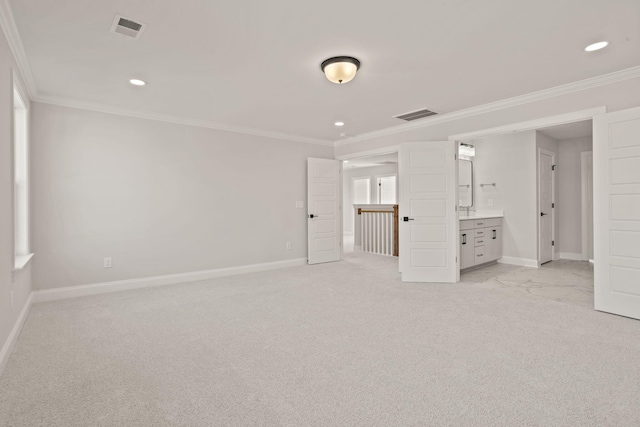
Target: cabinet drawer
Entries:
(479, 241)
(478, 233)
(479, 223)
(467, 224)
(479, 255)
(492, 222)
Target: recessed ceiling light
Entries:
(346, 161)
(596, 46)
(137, 82)
(339, 123)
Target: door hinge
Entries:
(553, 205)
(456, 260)
(553, 243)
(553, 167)
(455, 157)
(456, 208)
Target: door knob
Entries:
(543, 214)
(313, 216)
(406, 218)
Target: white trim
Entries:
(523, 262)
(20, 262)
(10, 30)
(103, 108)
(369, 153)
(147, 282)
(572, 256)
(7, 348)
(584, 207)
(560, 119)
(605, 79)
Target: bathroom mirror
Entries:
(465, 183)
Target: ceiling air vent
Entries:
(127, 27)
(414, 115)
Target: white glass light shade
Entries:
(340, 72)
(341, 69)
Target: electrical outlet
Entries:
(107, 262)
(490, 202)
(288, 246)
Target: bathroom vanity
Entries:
(480, 240)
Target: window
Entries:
(387, 190)
(361, 191)
(21, 181)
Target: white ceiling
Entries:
(379, 160)
(256, 64)
(569, 130)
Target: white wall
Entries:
(159, 198)
(21, 287)
(509, 161)
(369, 172)
(570, 196)
(547, 143)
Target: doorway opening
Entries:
(369, 183)
(541, 180)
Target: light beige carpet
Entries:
(336, 344)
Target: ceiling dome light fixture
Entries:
(596, 46)
(340, 69)
(137, 82)
(339, 123)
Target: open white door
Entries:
(428, 212)
(545, 205)
(324, 212)
(616, 212)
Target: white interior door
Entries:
(428, 213)
(616, 212)
(324, 210)
(545, 203)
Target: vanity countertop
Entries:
(481, 215)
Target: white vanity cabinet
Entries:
(480, 241)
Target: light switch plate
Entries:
(299, 204)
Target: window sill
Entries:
(20, 263)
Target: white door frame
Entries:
(585, 173)
(551, 154)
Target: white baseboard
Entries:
(571, 256)
(7, 348)
(523, 262)
(147, 282)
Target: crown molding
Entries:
(109, 109)
(560, 119)
(605, 79)
(10, 30)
